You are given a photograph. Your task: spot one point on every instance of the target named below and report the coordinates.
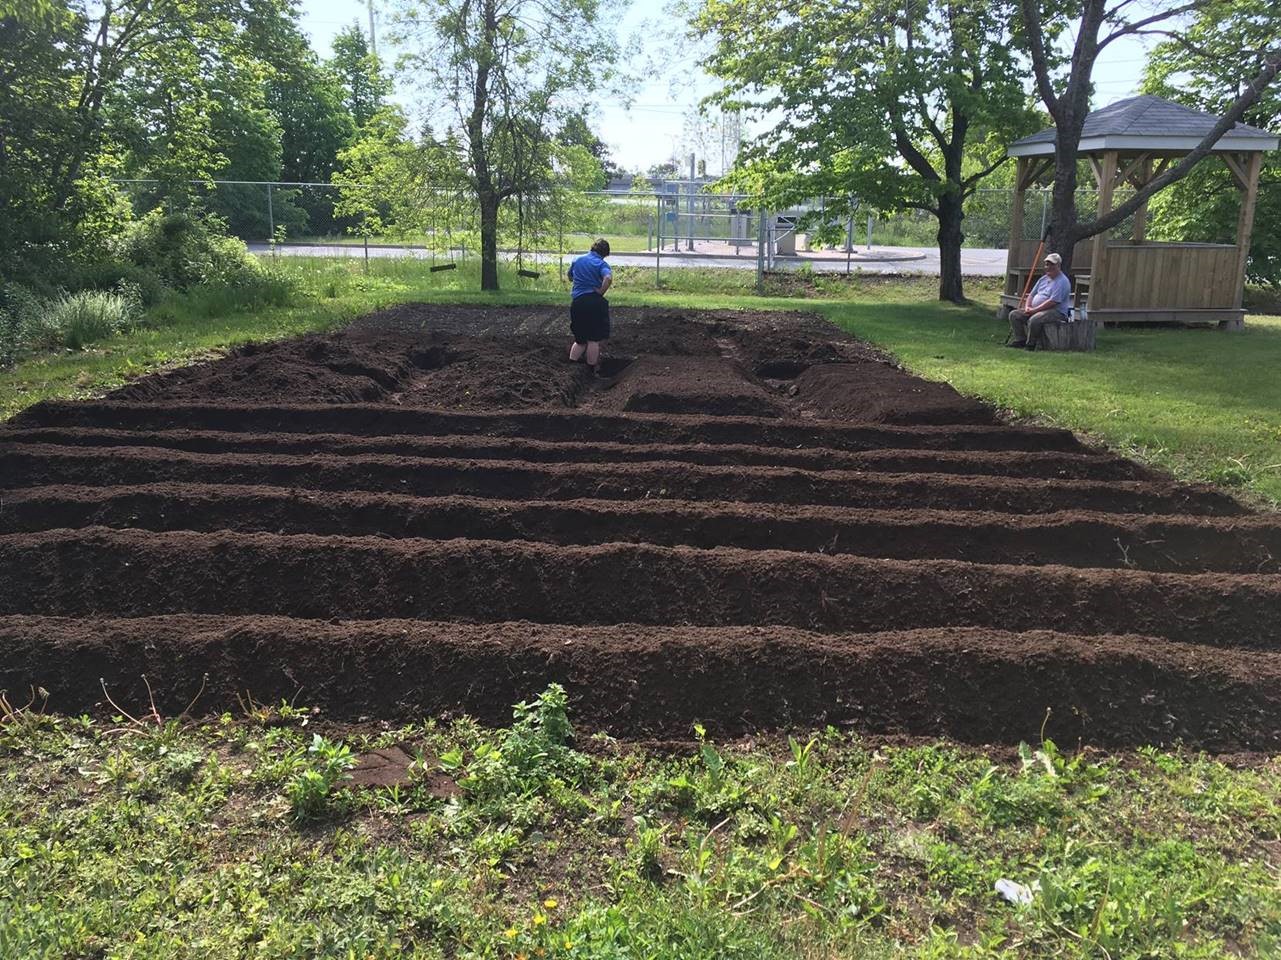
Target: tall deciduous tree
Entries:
(879, 102)
(360, 74)
(1202, 67)
(1068, 99)
(510, 72)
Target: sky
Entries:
(652, 128)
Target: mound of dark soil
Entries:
(885, 394)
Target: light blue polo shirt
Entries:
(1059, 290)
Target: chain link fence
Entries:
(680, 212)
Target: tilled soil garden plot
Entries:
(752, 520)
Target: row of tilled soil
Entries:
(379, 420)
(129, 573)
(1176, 544)
(976, 685)
(27, 465)
(1047, 464)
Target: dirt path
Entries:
(752, 521)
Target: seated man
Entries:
(1050, 301)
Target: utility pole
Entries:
(373, 37)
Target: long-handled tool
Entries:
(1027, 287)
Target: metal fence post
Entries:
(658, 247)
(869, 231)
(271, 221)
(760, 252)
(849, 244)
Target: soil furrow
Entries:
(975, 685)
(1049, 464)
(27, 465)
(1171, 544)
(134, 573)
(383, 419)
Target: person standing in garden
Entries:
(588, 308)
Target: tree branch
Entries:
(1031, 11)
(1137, 25)
(969, 182)
(916, 160)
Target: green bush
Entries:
(76, 320)
(184, 250)
(111, 274)
(269, 288)
(18, 305)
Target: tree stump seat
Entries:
(1062, 335)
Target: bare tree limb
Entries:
(1130, 28)
(1031, 11)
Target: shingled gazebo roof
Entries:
(1148, 123)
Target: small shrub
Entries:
(18, 307)
(533, 756)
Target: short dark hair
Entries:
(601, 247)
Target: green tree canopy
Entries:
(873, 102)
(360, 75)
(1202, 66)
(507, 74)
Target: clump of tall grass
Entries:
(73, 321)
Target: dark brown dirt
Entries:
(640, 681)
(753, 521)
(1044, 464)
(26, 466)
(882, 393)
(132, 573)
(708, 385)
(1181, 544)
(381, 420)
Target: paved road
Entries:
(919, 260)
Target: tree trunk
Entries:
(950, 214)
(1063, 220)
(488, 240)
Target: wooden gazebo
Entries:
(1140, 280)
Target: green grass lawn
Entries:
(1201, 403)
(238, 837)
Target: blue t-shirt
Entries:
(1059, 290)
(588, 272)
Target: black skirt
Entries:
(589, 318)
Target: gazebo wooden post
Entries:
(1245, 219)
(1021, 165)
(1106, 176)
(1141, 214)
